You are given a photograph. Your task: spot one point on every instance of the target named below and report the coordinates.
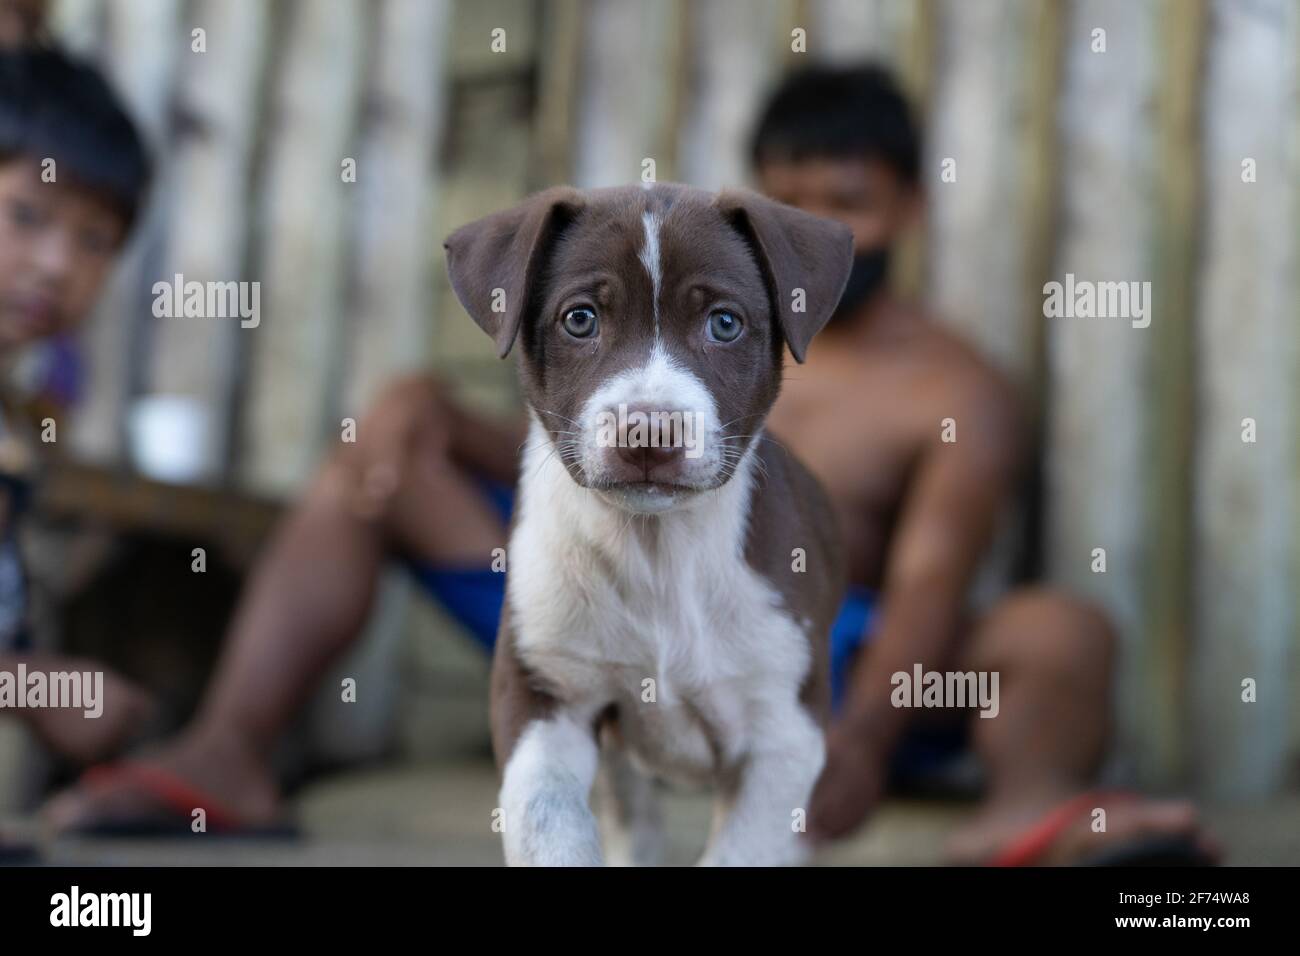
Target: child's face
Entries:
(57, 242)
(20, 21)
(866, 195)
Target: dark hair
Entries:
(839, 113)
(52, 106)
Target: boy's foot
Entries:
(1061, 832)
(67, 731)
(234, 785)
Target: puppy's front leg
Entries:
(548, 758)
(757, 822)
(544, 795)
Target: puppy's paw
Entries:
(783, 851)
(552, 828)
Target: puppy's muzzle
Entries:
(653, 445)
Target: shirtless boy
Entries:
(429, 482)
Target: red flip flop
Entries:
(178, 799)
(1029, 848)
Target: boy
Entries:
(918, 514)
(429, 481)
(73, 173)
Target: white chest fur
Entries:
(660, 616)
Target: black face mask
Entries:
(866, 278)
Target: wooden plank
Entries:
(1294, 645)
(626, 103)
(992, 119)
(1243, 542)
(476, 56)
(727, 81)
(1039, 183)
(1098, 451)
(397, 246)
(915, 68)
(487, 164)
(306, 208)
(98, 497)
(559, 73)
(218, 104)
(975, 230)
(850, 31)
(1163, 663)
(138, 53)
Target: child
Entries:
(918, 514)
(73, 173)
(21, 21)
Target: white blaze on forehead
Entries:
(650, 259)
(661, 383)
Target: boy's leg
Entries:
(125, 708)
(413, 492)
(1054, 657)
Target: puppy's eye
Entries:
(580, 322)
(724, 326)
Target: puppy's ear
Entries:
(796, 251)
(494, 262)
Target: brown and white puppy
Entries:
(655, 599)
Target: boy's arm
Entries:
(948, 518)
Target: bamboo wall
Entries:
(1122, 164)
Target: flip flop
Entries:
(1165, 850)
(178, 799)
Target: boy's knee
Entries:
(413, 418)
(1055, 635)
(414, 402)
(409, 425)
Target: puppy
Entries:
(673, 574)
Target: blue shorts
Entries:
(474, 597)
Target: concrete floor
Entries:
(441, 815)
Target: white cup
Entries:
(170, 438)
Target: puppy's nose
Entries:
(648, 439)
(648, 457)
